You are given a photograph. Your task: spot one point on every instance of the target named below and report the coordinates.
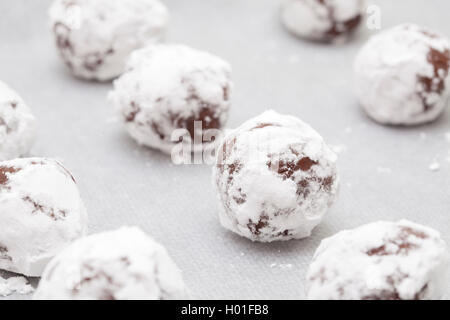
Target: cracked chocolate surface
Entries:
(393, 293)
(130, 115)
(288, 168)
(401, 243)
(4, 253)
(53, 213)
(5, 172)
(440, 60)
(63, 43)
(339, 28)
(91, 274)
(242, 171)
(205, 112)
(170, 90)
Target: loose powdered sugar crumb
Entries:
(434, 166)
(338, 149)
(12, 285)
(283, 266)
(447, 136)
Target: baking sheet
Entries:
(385, 170)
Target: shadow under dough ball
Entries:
(322, 20)
(402, 75)
(275, 178)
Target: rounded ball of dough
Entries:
(125, 264)
(380, 261)
(95, 37)
(402, 75)
(41, 212)
(322, 20)
(275, 178)
(17, 125)
(170, 87)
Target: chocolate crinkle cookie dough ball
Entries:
(95, 37)
(41, 212)
(275, 177)
(380, 261)
(402, 75)
(322, 20)
(17, 125)
(124, 264)
(169, 87)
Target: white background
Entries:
(122, 183)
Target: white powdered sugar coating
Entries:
(95, 37)
(382, 261)
(275, 178)
(123, 264)
(168, 87)
(401, 75)
(41, 212)
(19, 285)
(17, 125)
(323, 20)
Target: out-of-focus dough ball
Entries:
(124, 264)
(380, 261)
(322, 20)
(95, 37)
(169, 87)
(275, 178)
(402, 75)
(41, 212)
(17, 125)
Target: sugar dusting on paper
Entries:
(12, 285)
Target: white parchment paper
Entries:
(385, 170)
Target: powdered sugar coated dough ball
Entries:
(95, 37)
(380, 261)
(322, 20)
(169, 87)
(114, 265)
(402, 75)
(275, 178)
(41, 212)
(17, 125)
